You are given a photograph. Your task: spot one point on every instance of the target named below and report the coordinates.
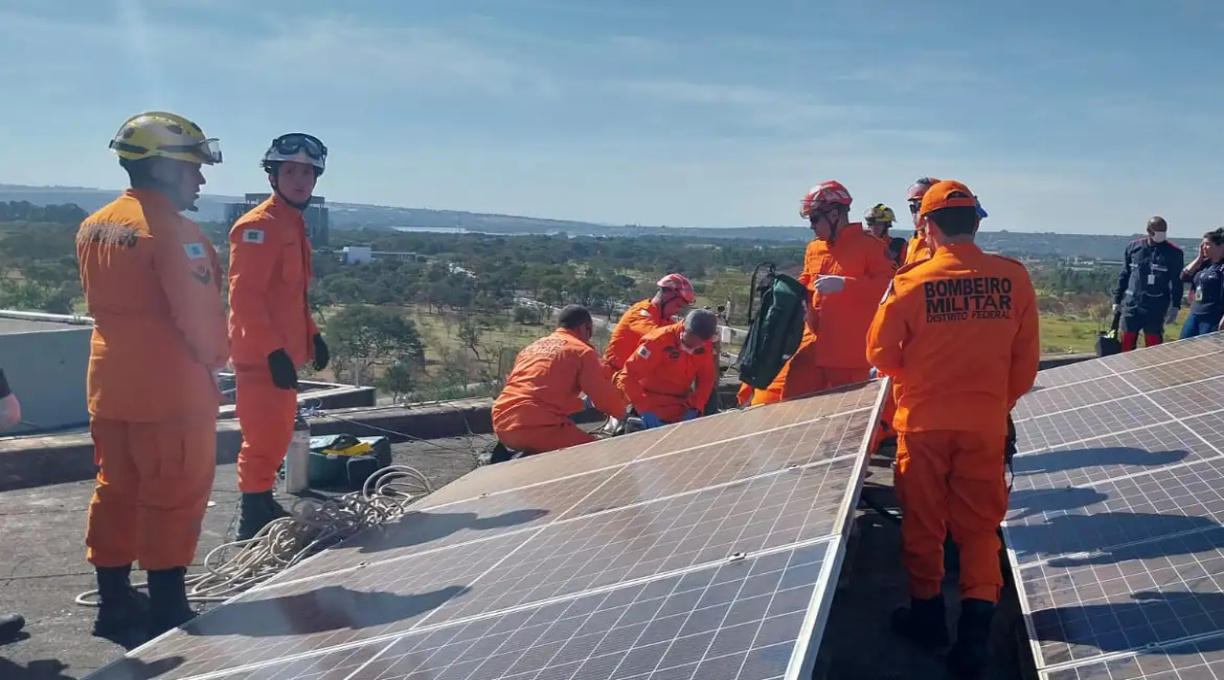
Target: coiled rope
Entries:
(313, 525)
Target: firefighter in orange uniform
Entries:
(847, 271)
(532, 413)
(958, 334)
(670, 376)
(271, 329)
(152, 284)
(674, 293)
(918, 247)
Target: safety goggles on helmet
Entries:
(294, 142)
(208, 151)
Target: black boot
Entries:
(971, 653)
(275, 509)
(258, 509)
(923, 623)
(121, 608)
(168, 606)
(10, 626)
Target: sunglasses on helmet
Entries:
(299, 141)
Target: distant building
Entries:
(360, 254)
(317, 226)
(356, 254)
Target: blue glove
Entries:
(650, 420)
(587, 403)
(691, 414)
(874, 373)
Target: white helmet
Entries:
(296, 147)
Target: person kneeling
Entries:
(659, 377)
(532, 413)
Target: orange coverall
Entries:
(658, 378)
(835, 357)
(634, 324)
(269, 274)
(958, 334)
(532, 413)
(917, 249)
(152, 284)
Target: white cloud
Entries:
(347, 54)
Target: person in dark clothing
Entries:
(1150, 288)
(10, 415)
(1206, 276)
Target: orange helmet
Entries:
(825, 193)
(678, 285)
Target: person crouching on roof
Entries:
(670, 376)
(532, 413)
(674, 294)
(958, 374)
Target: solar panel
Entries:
(1114, 526)
(704, 550)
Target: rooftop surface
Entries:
(42, 569)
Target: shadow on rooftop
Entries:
(1112, 537)
(126, 668)
(1033, 502)
(321, 610)
(1152, 618)
(425, 526)
(1074, 459)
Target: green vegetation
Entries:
(445, 314)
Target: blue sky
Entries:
(1074, 116)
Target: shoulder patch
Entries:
(253, 236)
(644, 352)
(195, 251)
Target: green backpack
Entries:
(775, 332)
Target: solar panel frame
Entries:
(849, 469)
(1161, 528)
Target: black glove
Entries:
(284, 374)
(322, 355)
(1009, 448)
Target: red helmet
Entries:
(825, 193)
(678, 285)
(919, 188)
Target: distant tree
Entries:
(469, 334)
(527, 315)
(400, 378)
(361, 337)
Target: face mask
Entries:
(1159, 236)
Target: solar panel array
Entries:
(707, 549)
(1113, 530)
